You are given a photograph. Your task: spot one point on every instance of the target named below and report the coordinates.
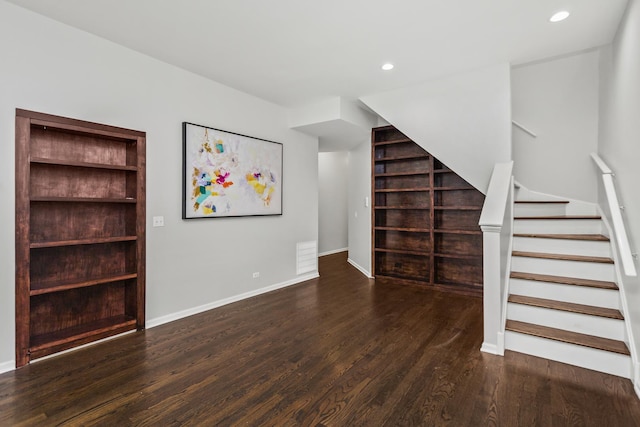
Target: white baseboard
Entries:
(360, 268)
(335, 251)
(215, 304)
(7, 366)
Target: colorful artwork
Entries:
(226, 174)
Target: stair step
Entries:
(569, 337)
(601, 284)
(560, 217)
(567, 306)
(588, 237)
(542, 201)
(563, 257)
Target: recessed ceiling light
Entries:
(388, 66)
(559, 16)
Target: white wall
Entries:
(464, 120)
(359, 184)
(332, 202)
(52, 68)
(619, 137)
(557, 100)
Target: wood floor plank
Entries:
(564, 280)
(338, 350)
(568, 337)
(563, 257)
(567, 306)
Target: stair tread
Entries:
(567, 306)
(543, 201)
(563, 257)
(560, 217)
(589, 237)
(564, 280)
(562, 335)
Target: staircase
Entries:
(563, 302)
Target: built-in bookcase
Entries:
(425, 218)
(80, 233)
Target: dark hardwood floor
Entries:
(335, 351)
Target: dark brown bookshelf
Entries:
(80, 233)
(424, 219)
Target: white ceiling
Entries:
(296, 52)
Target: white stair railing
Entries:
(496, 222)
(621, 238)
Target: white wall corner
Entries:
(360, 268)
(331, 252)
(491, 349)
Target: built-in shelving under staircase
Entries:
(563, 301)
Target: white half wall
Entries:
(463, 120)
(359, 184)
(619, 139)
(558, 101)
(332, 202)
(52, 68)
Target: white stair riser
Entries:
(576, 355)
(553, 267)
(576, 322)
(597, 297)
(562, 246)
(539, 209)
(558, 226)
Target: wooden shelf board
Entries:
(392, 141)
(39, 288)
(563, 257)
(58, 162)
(457, 208)
(414, 280)
(568, 337)
(39, 344)
(403, 190)
(399, 207)
(393, 174)
(566, 306)
(82, 200)
(400, 158)
(442, 170)
(457, 256)
(453, 188)
(409, 229)
(451, 231)
(126, 136)
(103, 240)
(402, 251)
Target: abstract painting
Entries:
(226, 174)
